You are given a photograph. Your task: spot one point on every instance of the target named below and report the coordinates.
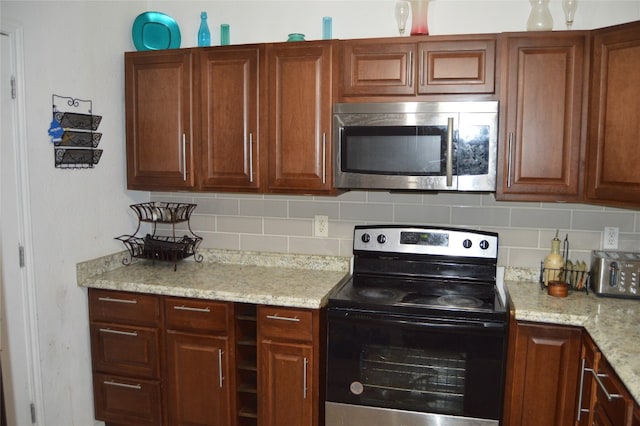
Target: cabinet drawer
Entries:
(126, 350)
(127, 401)
(194, 314)
(285, 323)
(123, 307)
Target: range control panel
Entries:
(426, 240)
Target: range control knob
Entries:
(484, 244)
(382, 239)
(467, 243)
(365, 238)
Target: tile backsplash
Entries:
(284, 224)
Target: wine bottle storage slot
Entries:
(246, 364)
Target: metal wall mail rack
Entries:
(73, 133)
(153, 246)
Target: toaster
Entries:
(615, 273)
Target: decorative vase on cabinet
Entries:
(540, 18)
(419, 17)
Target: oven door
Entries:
(391, 370)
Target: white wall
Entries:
(75, 49)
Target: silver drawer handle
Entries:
(124, 333)
(111, 299)
(189, 308)
(278, 317)
(610, 396)
(122, 385)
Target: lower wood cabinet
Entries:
(199, 373)
(288, 391)
(125, 352)
(160, 360)
(542, 374)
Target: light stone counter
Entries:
(614, 324)
(260, 278)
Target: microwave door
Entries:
(398, 156)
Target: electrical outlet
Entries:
(321, 226)
(610, 238)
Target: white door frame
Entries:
(19, 348)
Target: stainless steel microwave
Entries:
(432, 146)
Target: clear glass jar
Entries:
(540, 18)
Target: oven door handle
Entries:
(445, 324)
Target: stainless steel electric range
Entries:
(418, 335)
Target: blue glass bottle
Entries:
(204, 36)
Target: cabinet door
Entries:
(613, 173)
(545, 370)
(457, 66)
(300, 106)
(371, 68)
(159, 98)
(229, 122)
(199, 380)
(542, 104)
(286, 387)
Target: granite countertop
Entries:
(613, 324)
(270, 279)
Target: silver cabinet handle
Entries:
(410, 68)
(184, 157)
(123, 333)
(304, 377)
(509, 159)
(450, 151)
(422, 67)
(111, 299)
(121, 385)
(220, 376)
(278, 317)
(324, 158)
(580, 390)
(191, 309)
(610, 396)
(251, 157)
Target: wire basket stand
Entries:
(168, 248)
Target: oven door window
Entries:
(437, 369)
(394, 150)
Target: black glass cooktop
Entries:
(416, 296)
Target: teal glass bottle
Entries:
(204, 36)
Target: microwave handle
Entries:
(450, 151)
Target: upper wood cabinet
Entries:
(614, 129)
(159, 94)
(230, 125)
(300, 113)
(430, 66)
(542, 106)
